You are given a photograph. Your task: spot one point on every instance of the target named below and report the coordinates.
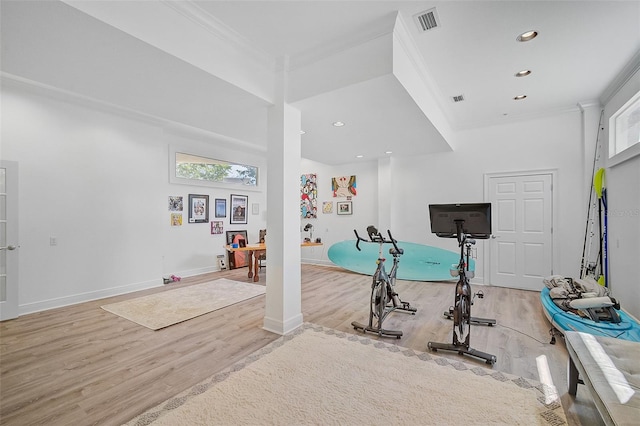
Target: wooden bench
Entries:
(610, 369)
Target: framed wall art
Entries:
(238, 209)
(216, 227)
(344, 207)
(221, 207)
(343, 186)
(175, 203)
(176, 219)
(198, 208)
(327, 207)
(308, 196)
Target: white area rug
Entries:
(163, 309)
(318, 376)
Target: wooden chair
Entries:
(262, 257)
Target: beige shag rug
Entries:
(163, 309)
(319, 376)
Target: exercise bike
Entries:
(384, 298)
(461, 309)
(480, 295)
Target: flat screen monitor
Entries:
(474, 219)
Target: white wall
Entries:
(99, 183)
(332, 228)
(623, 191)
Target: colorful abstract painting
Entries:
(343, 186)
(308, 196)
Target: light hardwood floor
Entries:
(82, 365)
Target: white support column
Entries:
(385, 195)
(283, 311)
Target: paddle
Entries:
(599, 185)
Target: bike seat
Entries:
(394, 252)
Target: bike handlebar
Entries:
(376, 237)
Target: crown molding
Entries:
(317, 53)
(516, 118)
(166, 125)
(56, 93)
(584, 105)
(220, 30)
(632, 67)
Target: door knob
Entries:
(8, 248)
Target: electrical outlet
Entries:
(53, 241)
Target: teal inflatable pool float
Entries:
(418, 263)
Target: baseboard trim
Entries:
(194, 272)
(282, 327)
(74, 299)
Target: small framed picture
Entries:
(327, 207)
(221, 207)
(344, 207)
(175, 203)
(198, 208)
(216, 227)
(176, 219)
(238, 208)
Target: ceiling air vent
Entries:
(458, 98)
(427, 20)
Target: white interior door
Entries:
(521, 247)
(8, 240)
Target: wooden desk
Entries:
(255, 250)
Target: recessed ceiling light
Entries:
(523, 73)
(338, 123)
(302, 132)
(529, 35)
(388, 152)
(519, 97)
(360, 156)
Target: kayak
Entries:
(600, 320)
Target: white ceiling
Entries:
(210, 64)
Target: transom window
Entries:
(625, 126)
(194, 167)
